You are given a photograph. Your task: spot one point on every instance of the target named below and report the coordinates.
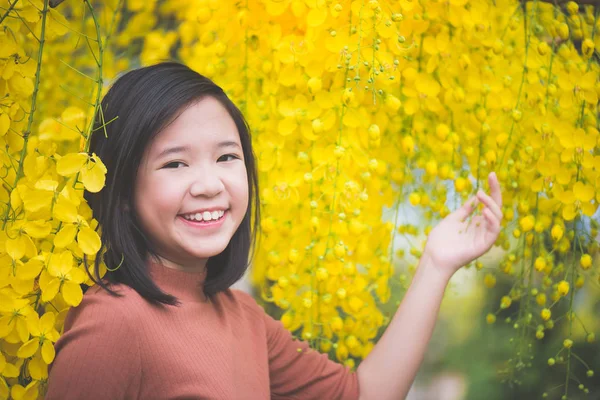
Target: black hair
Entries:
(138, 106)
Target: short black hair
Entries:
(138, 106)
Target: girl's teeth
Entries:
(205, 216)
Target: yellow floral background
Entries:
(358, 110)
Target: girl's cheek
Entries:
(164, 188)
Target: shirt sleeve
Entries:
(300, 373)
(97, 357)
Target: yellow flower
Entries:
(408, 145)
(587, 47)
(392, 102)
(563, 31)
(423, 92)
(577, 86)
(315, 84)
(563, 288)
(489, 280)
(578, 200)
(585, 261)
(62, 276)
(505, 302)
(93, 174)
(374, 133)
(591, 337)
(546, 314)
(347, 96)
(557, 232)
(527, 223)
(460, 184)
(539, 334)
(44, 335)
(540, 299)
(414, 199)
(543, 48)
(352, 342)
(540, 263)
(13, 323)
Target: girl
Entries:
(175, 215)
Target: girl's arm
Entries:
(390, 368)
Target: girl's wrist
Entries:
(431, 272)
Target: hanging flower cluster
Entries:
(354, 106)
(47, 227)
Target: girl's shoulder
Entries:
(98, 297)
(245, 301)
(98, 292)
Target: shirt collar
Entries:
(185, 285)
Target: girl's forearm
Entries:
(390, 369)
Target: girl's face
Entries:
(194, 168)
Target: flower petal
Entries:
(93, 175)
(51, 290)
(569, 212)
(37, 368)
(72, 293)
(65, 236)
(88, 240)
(28, 348)
(30, 270)
(47, 321)
(48, 352)
(71, 163)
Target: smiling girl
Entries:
(179, 217)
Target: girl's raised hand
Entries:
(456, 241)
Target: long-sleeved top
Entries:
(125, 348)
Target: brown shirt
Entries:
(125, 348)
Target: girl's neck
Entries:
(198, 266)
(185, 284)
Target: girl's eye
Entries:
(233, 156)
(173, 164)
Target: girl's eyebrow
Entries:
(186, 149)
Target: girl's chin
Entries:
(195, 254)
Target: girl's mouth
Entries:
(204, 224)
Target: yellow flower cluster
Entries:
(355, 106)
(47, 227)
(360, 105)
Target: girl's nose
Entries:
(206, 184)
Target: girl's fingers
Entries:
(467, 208)
(493, 202)
(495, 189)
(491, 218)
(489, 201)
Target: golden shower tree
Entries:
(355, 107)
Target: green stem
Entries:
(99, 80)
(8, 10)
(36, 89)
